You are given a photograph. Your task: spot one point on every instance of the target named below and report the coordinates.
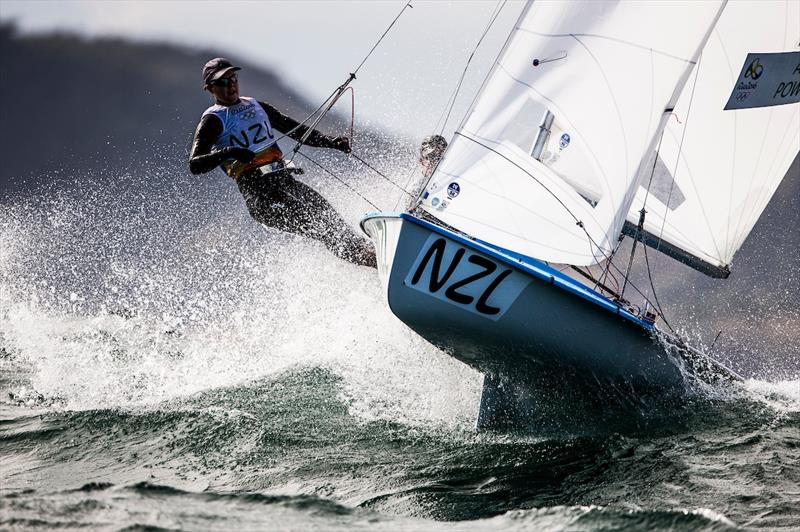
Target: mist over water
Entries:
(165, 361)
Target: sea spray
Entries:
(114, 299)
(163, 355)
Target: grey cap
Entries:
(216, 68)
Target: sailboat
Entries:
(671, 123)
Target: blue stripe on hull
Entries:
(537, 269)
(554, 324)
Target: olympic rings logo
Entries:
(755, 70)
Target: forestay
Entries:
(606, 71)
(718, 169)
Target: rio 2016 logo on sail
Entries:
(755, 69)
(459, 276)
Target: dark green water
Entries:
(222, 378)
(288, 452)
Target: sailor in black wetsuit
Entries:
(237, 134)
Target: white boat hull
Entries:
(524, 325)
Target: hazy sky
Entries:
(313, 44)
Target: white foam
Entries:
(228, 304)
(782, 395)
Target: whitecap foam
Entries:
(782, 395)
(107, 307)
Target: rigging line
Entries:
(604, 278)
(588, 275)
(639, 229)
(655, 296)
(653, 170)
(680, 147)
(714, 342)
(365, 163)
(452, 100)
(642, 214)
(307, 118)
(579, 223)
(479, 143)
(334, 97)
(616, 281)
(408, 4)
(656, 305)
(340, 180)
(496, 64)
(331, 102)
(407, 181)
(611, 257)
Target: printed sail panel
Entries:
(607, 70)
(720, 168)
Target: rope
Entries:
(337, 93)
(382, 36)
(452, 100)
(578, 222)
(655, 296)
(330, 173)
(365, 163)
(352, 112)
(639, 229)
(331, 100)
(606, 273)
(643, 211)
(307, 118)
(680, 148)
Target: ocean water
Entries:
(167, 364)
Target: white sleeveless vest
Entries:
(245, 125)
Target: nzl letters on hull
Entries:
(767, 79)
(465, 278)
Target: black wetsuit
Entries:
(279, 200)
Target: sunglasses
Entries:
(225, 82)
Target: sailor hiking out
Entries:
(238, 134)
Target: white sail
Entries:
(607, 71)
(718, 169)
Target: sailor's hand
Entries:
(242, 155)
(342, 144)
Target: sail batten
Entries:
(606, 71)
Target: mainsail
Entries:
(597, 77)
(717, 169)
